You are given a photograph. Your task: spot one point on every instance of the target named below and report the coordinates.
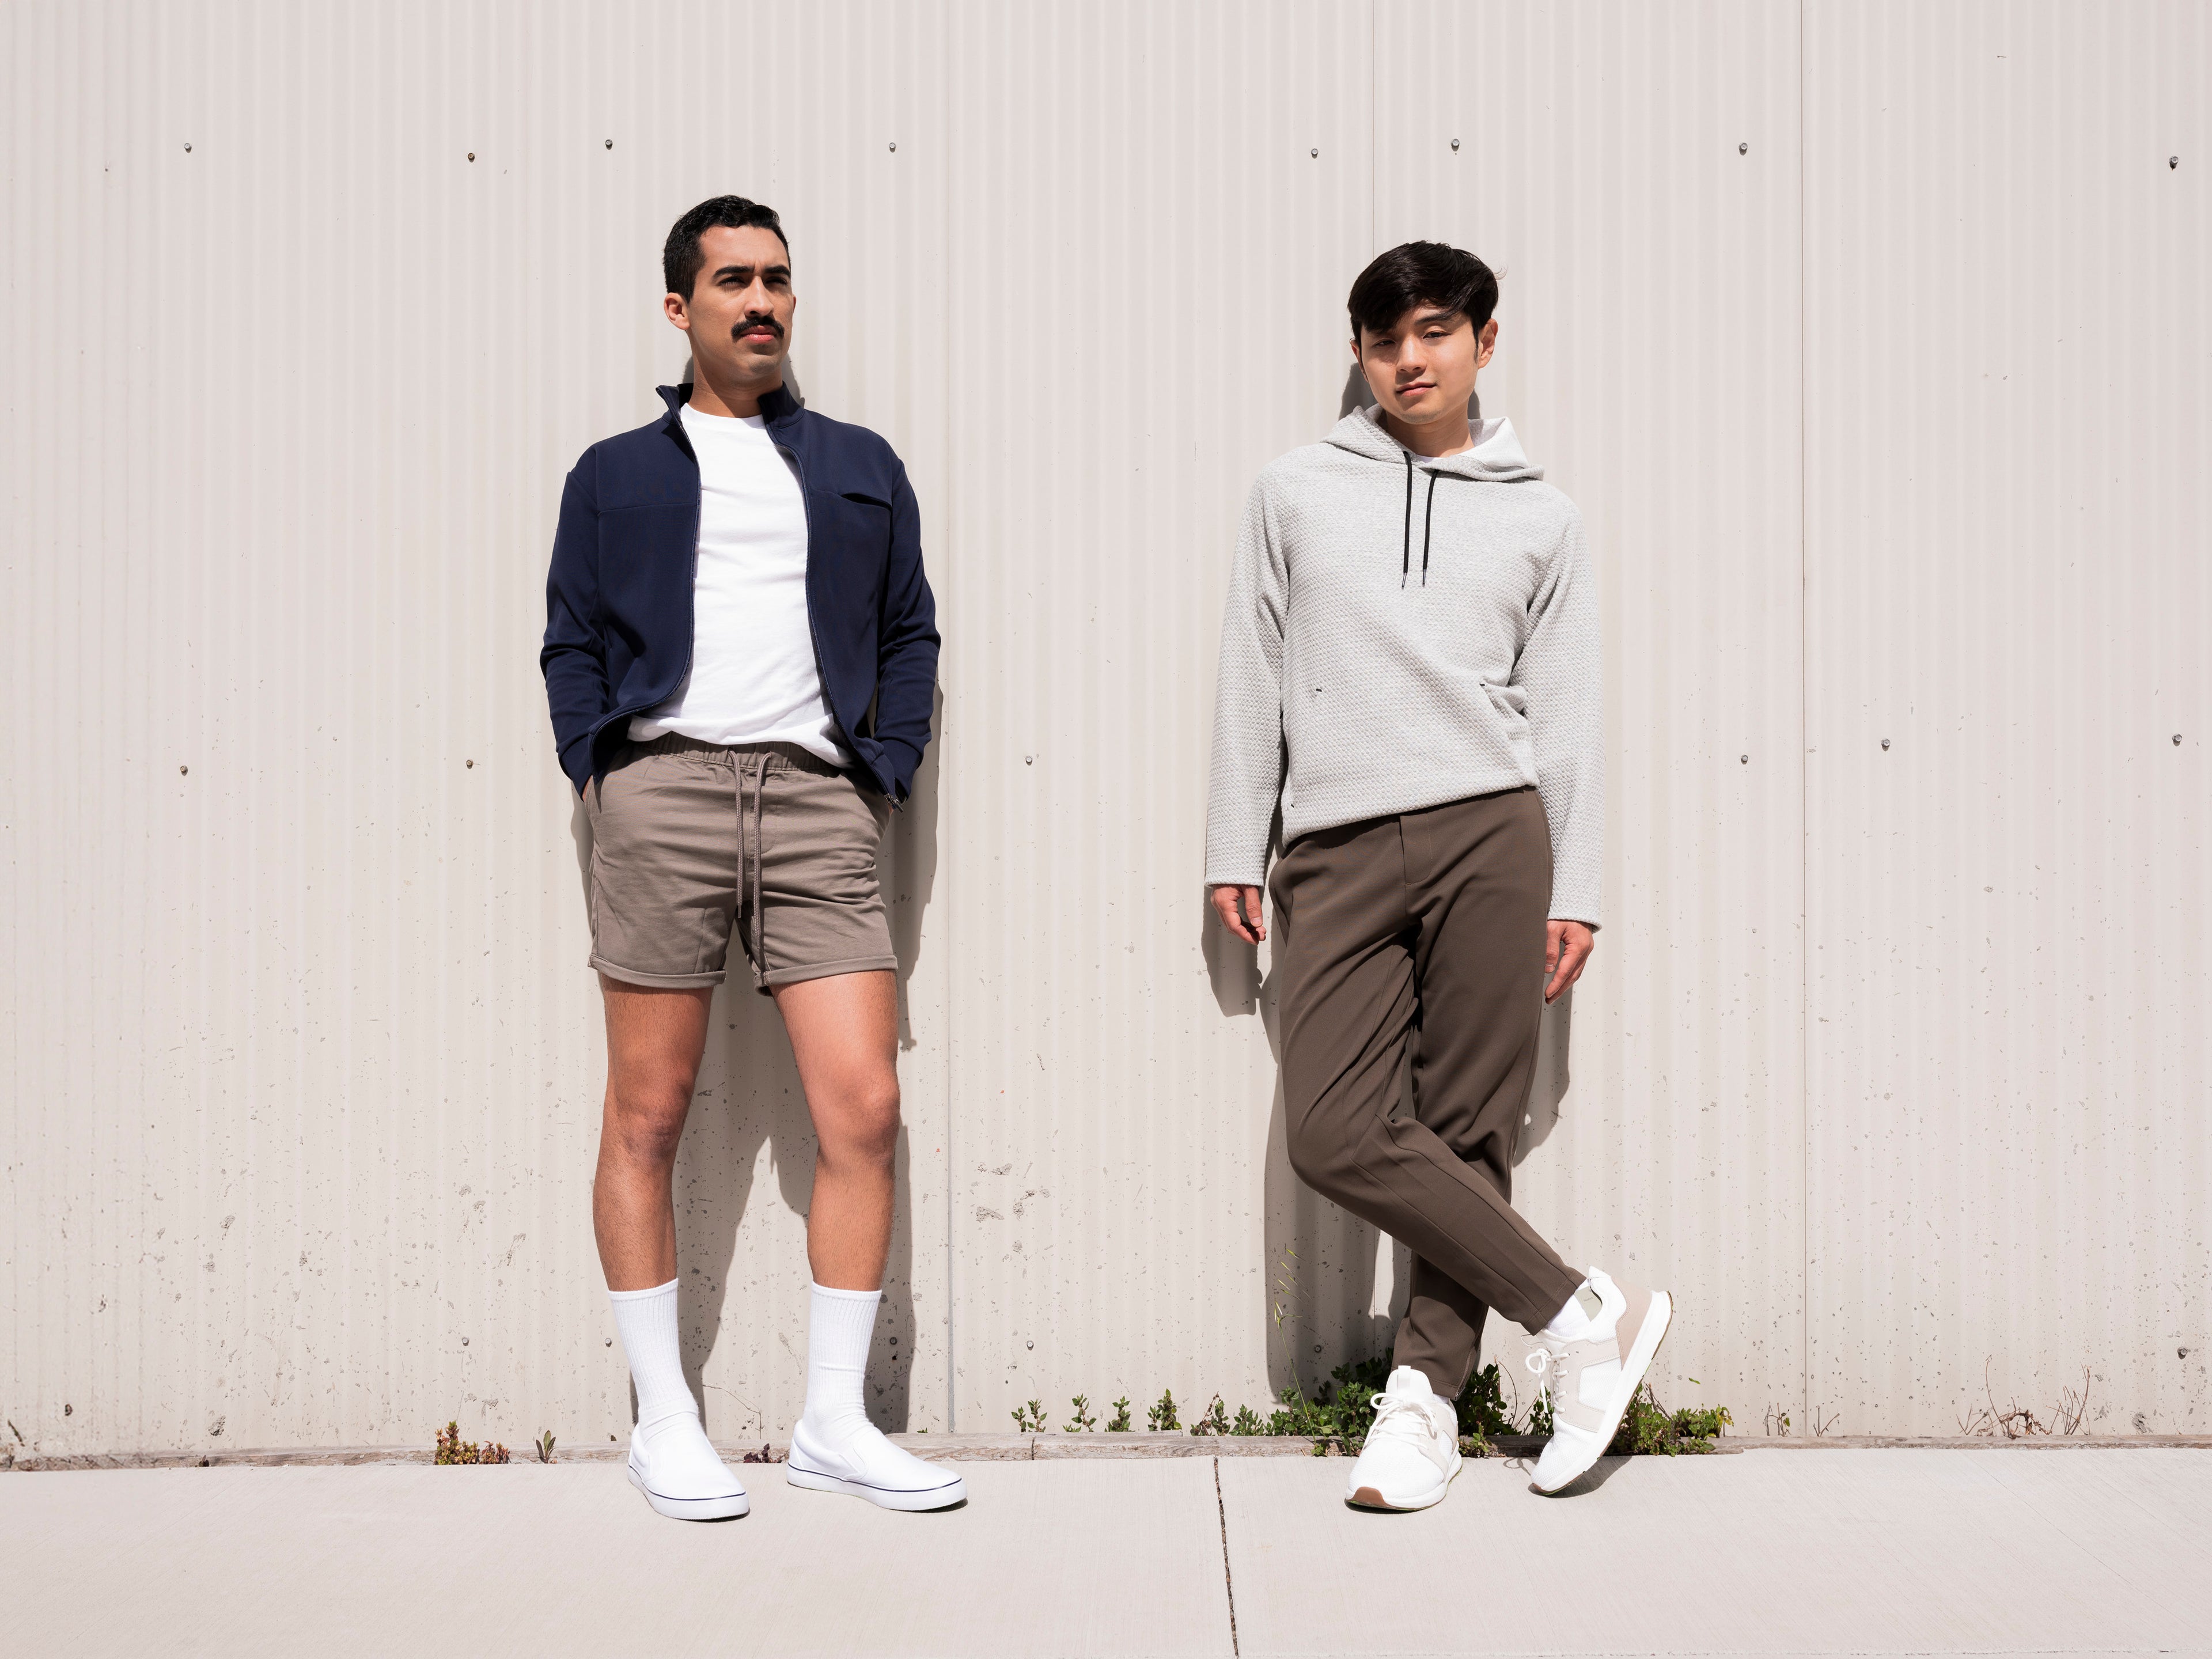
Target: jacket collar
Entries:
(779, 405)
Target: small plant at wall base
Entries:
(545, 1447)
(1338, 1416)
(1648, 1429)
(1214, 1419)
(2018, 1422)
(451, 1448)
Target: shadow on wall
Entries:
(748, 1095)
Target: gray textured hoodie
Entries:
(1402, 632)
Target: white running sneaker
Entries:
(1412, 1451)
(865, 1465)
(1592, 1378)
(682, 1476)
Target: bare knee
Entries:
(644, 1121)
(860, 1127)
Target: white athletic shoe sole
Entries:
(692, 1509)
(953, 1491)
(1371, 1498)
(1641, 1353)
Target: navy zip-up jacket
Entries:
(618, 598)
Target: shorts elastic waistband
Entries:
(779, 756)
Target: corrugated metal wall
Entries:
(1869, 339)
(2008, 800)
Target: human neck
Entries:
(710, 396)
(1434, 439)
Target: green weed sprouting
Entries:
(451, 1448)
(1648, 1429)
(545, 1447)
(1214, 1419)
(1340, 1413)
(1539, 1415)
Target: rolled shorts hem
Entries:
(800, 972)
(658, 981)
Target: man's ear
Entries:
(674, 308)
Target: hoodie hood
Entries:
(1496, 458)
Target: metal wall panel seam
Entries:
(1804, 806)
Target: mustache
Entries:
(768, 323)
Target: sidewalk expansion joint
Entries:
(1228, 1579)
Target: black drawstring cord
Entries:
(1428, 516)
(1405, 547)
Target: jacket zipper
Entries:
(691, 600)
(806, 507)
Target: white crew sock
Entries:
(1572, 1323)
(647, 1322)
(839, 1327)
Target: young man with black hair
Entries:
(1409, 668)
(740, 654)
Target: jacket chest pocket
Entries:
(856, 530)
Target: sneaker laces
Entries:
(1392, 1417)
(1550, 1366)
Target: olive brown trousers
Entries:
(1423, 932)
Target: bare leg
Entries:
(654, 1042)
(844, 1034)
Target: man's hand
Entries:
(1567, 945)
(1239, 910)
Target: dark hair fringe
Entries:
(1421, 274)
(681, 256)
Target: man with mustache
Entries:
(740, 654)
(1409, 670)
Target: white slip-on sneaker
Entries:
(863, 1464)
(1412, 1451)
(682, 1476)
(1592, 1378)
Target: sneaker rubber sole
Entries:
(692, 1509)
(1641, 1353)
(1367, 1498)
(953, 1492)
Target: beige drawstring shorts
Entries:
(691, 839)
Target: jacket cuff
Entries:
(576, 761)
(905, 761)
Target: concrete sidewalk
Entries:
(1875, 1552)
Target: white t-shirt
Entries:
(753, 677)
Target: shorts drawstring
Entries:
(749, 884)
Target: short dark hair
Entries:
(681, 258)
(1422, 274)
